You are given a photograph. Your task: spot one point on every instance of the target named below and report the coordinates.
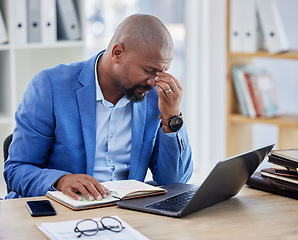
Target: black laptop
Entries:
(225, 181)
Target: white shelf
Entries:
(58, 44)
(240, 131)
(4, 47)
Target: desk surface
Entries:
(252, 214)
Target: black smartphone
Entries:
(40, 208)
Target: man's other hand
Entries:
(89, 187)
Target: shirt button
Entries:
(109, 159)
(111, 135)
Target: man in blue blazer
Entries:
(111, 117)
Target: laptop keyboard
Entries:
(175, 203)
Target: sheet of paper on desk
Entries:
(65, 231)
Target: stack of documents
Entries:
(286, 165)
(281, 179)
(256, 25)
(65, 231)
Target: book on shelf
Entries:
(118, 190)
(238, 85)
(266, 94)
(252, 94)
(256, 92)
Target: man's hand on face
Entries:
(88, 186)
(169, 92)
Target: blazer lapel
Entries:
(86, 97)
(87, 109)
(138, 127)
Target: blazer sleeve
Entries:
(171, 160)
(25, 170)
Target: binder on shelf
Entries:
(275, 38)
(20, 22)
(3, 31)
(67, 20)
(250, 28)
(236, 34)
(34, 28)
(48, 21)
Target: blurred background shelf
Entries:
(240, 134)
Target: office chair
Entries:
(6, 144)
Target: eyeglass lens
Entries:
(87, 227)
(111, 224)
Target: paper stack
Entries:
(286, 162)
(65, 230)
(282, 178)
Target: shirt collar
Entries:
(99, 95)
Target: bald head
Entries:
(142, 31)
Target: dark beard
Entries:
(133, 93)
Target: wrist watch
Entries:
(174, 123)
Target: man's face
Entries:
(136, 68)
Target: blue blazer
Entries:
(55, 134)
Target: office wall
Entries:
(205, 81)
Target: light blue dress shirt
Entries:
(113, 137)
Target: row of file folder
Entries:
(45, 21)
(256, 25)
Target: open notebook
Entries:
(119, 190)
